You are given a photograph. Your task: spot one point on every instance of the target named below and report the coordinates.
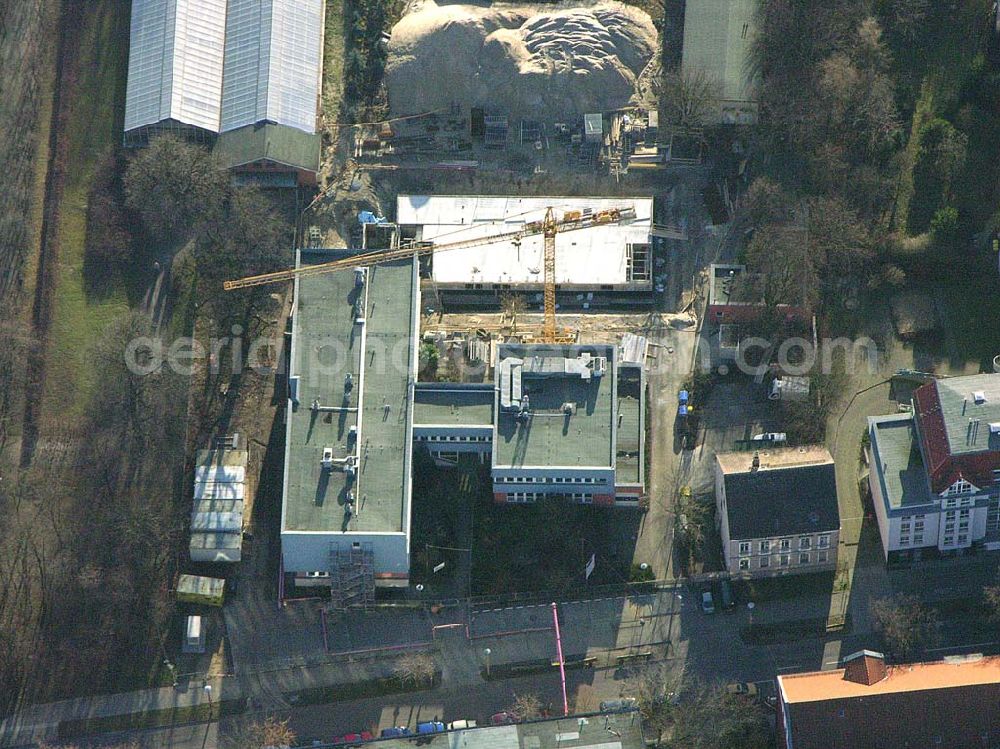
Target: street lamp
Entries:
(487, 653)
(208, 723)
(750, 607)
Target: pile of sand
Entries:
(522, 61)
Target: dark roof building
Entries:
(777, 510)
(952, 703)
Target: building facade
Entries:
(777, 511)
(935, 471)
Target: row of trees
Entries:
(179, 191)
(697, 715)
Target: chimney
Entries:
(755, 464)
(865, 667)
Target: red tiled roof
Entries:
(910, 707)
(943, 468)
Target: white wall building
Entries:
(777, 511)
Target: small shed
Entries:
(789, 389)
(194, 635)
(208, 591)
(915, 315)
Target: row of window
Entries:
(784, 544)
(454, 438)
(784, 560)
(527, 497)
(545, 480)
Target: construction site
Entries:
(484, 279)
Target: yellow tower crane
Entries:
(548, 227)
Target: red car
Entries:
(502, 719)
(354, 738)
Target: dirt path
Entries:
(55, 180)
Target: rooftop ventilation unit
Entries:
(327, 460)
(979, 397)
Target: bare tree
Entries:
(257, 734)
(785, 272)
(655, 691)
(991, 597)
(905, 625)
(710, 717)
(417, 669)
(687, 98)
(526, 707)
(906, 17)
(170, 183)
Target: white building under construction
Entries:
(593, 263)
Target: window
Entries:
(949, 540)
(964, 513)
(904, 540)
(964, 525)
(783, 561)
(824, 542)
(821, 557)
(744, 547)
(963, 537)
(765, 561)
(918, 526)
(918, 539)
(744, 564)
(786, 544)
(805, 542)
(904, 527)
(949, 528)
(804, 557)
(765, 546)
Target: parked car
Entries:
(395, 732)
(354, 738)
(430, 726)
(458, 725)
(502, 719)
(682, 403)
(707, 602)
(743, 689)
(774, 438)
(618, 706)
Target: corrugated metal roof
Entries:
(175, 62)
(273, 62)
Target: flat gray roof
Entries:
(958, 397)
(327, 346)
(629, 459)
(438, 404)
(895, 448)
(550, 437)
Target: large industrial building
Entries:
(592, 263)
(244, 72)
(552, 420)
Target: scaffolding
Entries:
(352, 577)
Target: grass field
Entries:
(93, 126)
